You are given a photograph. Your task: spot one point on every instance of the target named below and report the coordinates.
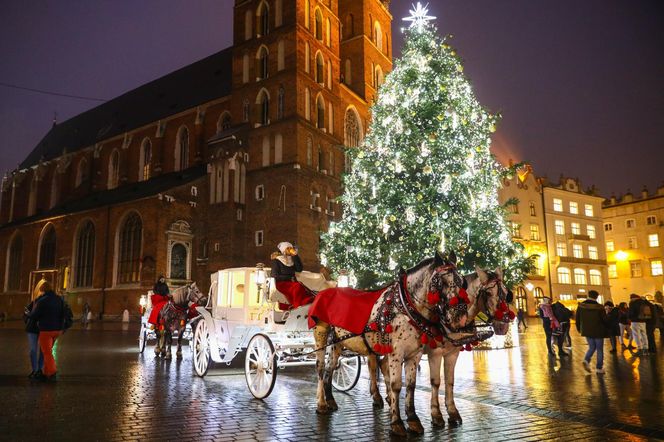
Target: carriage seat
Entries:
(313, 281)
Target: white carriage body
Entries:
(237, 310)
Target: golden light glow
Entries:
(621, 255)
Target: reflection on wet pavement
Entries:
(107, 391)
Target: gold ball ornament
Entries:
(459, 68)
(393, 218)
(492, 128)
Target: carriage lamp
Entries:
(343, 278)
(260, 279)
(143, 301)
(530, 286)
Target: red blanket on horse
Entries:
(158, 302)
(343, 307)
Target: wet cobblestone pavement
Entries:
(107, 391)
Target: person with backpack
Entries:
(552, 328)
(640, 312)
(53, 316)
(563, 315)
(591, 324)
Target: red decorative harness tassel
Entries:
(454, 301)
(388, 328)
(424, 338)
(432, 343)
(373, 326)
(433, 298)
(499, 315)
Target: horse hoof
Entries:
(332, 405)
(378, 403)
(455, 420)
(322, 409)
(179, 356)
(438, 421)
(398, 429)
(415, 426)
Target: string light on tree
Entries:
(424, 177)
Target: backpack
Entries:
(67, 316)
(645, 312)
(562, 313)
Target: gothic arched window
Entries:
(14, 260)
(85, 255)
(352, 129)
(262, 60)
(145, 163)
(182, 149)
(114, 170)
(47, 248)
(130, 240)
(320, 112)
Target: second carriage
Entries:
(242, 316)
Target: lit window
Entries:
(613, 271)
(651, 220)
(580, 276)
(557, 205)
(564, 276)
(577, 250)
(532, 209)
(589, 209)
(595, 277)
(560, 227)
(653, 240)
(514, 208)
(566, 297)
(610, 246)
(576, 228)
(608, 227)
(258, 238)
(590, 231)
(635, 269)
(573, 207)
(534, 232)
(631, 242)
(592, 252)
(516, 230)
(561, 249)
(656, 267)
(630, 223)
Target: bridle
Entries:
(483, 295)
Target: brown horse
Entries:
(174, 316)
(486, 291)
(408, 310)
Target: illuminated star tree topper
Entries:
(419, 16)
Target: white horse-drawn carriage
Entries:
(242, 315)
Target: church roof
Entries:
(125, 193)
(190, 86)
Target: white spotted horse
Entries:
(174, 316)
(403, 318)
(488, 298)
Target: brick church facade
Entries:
(208, 167)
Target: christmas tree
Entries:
(425, 178)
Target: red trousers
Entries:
(46, 342)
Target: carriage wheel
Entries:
(347, 374)
(201, 348)
(142, 338)
(260, 366)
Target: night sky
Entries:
(580, 84)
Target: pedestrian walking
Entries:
(640, 312)
(563, 315)
(624, 324)
(651, 324)
(612, 322)
(85, 316)
(551, 326)
(49, 313)
(591, 324)
(32, 330)
(521, 320)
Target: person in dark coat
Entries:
(651, 324)
(551, 325)
(521, 320)
(612, 322)
(591, 324)
(563, 315)
(32, 330)
(624, 324)
(49, 314)
(284, 266)
(640, 313)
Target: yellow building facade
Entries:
(634, 233)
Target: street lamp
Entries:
(260, 279)
(621, 256)
(143, 301)
(530, 286)
(343, 278)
